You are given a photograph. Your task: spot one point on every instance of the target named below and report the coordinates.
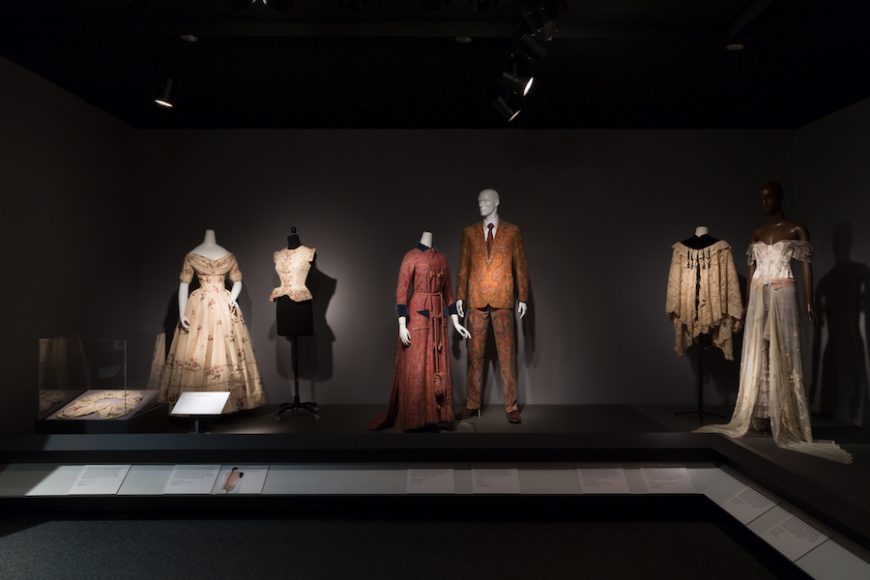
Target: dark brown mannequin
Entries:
(777, 228)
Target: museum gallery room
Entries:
(435, 288)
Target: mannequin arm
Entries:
(521, 309)
(463, 332)
(182, 305)
(459, 309)
(234, 294)
(404, 333)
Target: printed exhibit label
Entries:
(100, 480)
(192, 479)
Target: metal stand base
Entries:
(700, 412)
(297, 405)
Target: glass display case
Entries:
(83, 382)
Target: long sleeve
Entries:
(449, 302)
(522, 267)
(406, 274)
(464, 268)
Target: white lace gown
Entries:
(771, 370)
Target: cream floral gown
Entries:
(216, 353)
(771, 370)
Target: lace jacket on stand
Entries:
(704, 296)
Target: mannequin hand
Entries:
(463, 332)
(233, 305)
(811, 312)
(185, 323)
(404, 333)
(521, 309)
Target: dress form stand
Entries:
(702, 239)
(295, 315)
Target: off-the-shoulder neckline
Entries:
(778, 242)
(225, 256)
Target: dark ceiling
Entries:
(346, 63)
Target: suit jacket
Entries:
(489, 280)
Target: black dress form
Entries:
(699, 242)
(294, 318)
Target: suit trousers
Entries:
(503, 327)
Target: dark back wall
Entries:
(832, 171)
(599, 211)
(69, 258)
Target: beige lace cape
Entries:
(716, 309)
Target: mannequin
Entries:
(294, 307)
(211, 250)
(492, 265)
(211, 349)
(488, 202)
(772, 391)
(404, 333)
(703, 300)
(421, 397)
(700, 240)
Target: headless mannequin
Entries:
(702, 239)
(294, 318)
(211, 250)
(488, 201)
(404, 333)
(778, 228)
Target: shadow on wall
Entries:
(314, 352)
(839, 385)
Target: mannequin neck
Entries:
(426, 239)
(701, 231)
(491, 218)
(293, 241)
(209, 239)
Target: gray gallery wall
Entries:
(68, 256)
(599, 211)
(99, 215)
(832, 170)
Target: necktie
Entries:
(489, 240)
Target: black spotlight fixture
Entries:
(507, 108)
(515, 83)
(531, 48)
(541, 23)
(164, 93)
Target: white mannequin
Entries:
(488, 201)
(701, 231)
(404, 333)
(211, 250)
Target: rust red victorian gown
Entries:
(422, 393)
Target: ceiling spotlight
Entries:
(508, 112)
(531, 47)
(734, 46)
(541, 24)
(164, 95)
(191, 38)
(513, 82)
